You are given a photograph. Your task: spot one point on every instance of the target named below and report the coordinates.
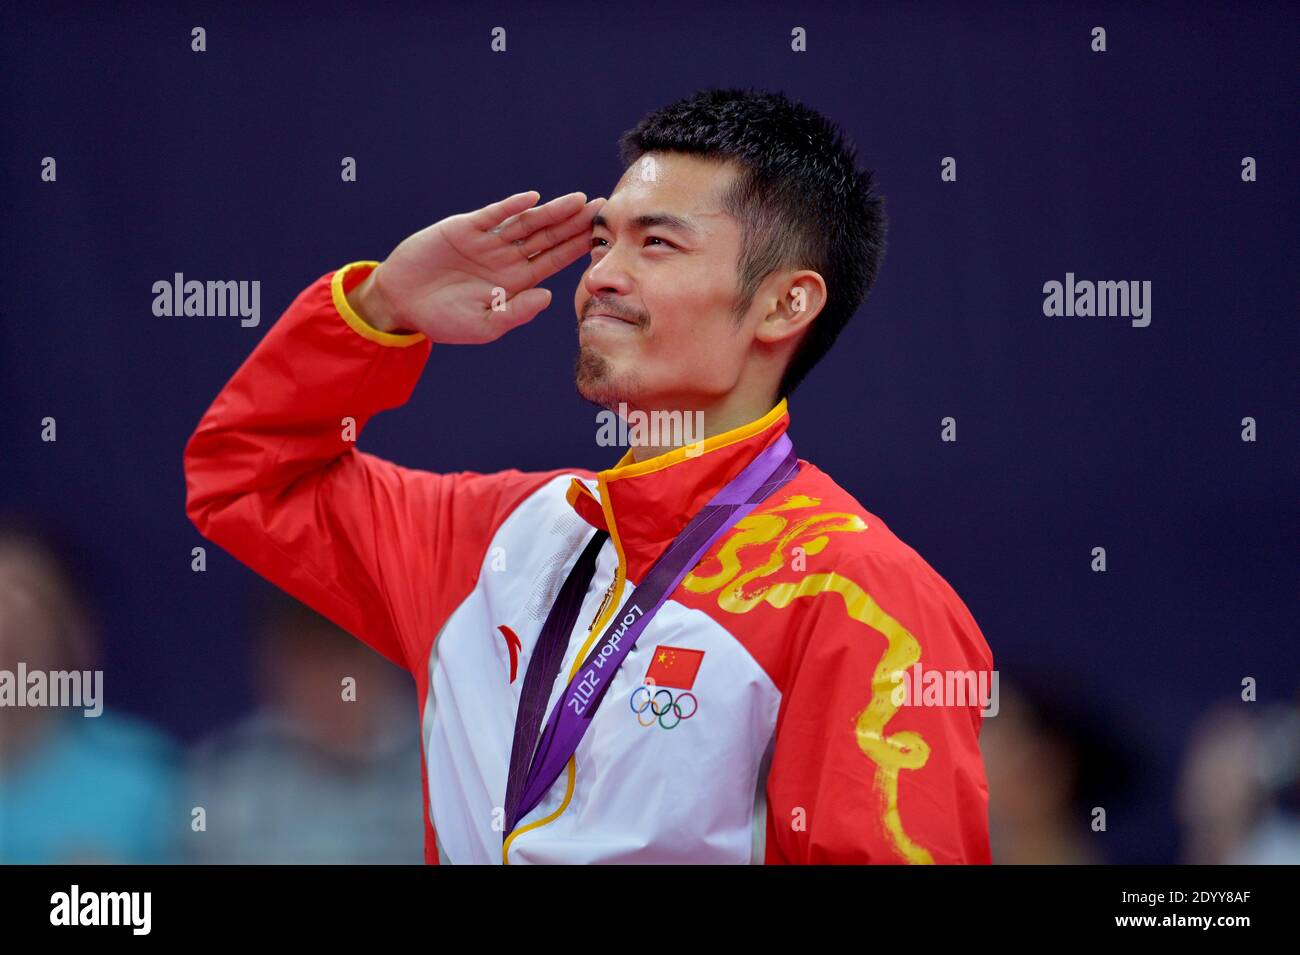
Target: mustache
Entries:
(608, 308)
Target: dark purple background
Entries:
(1073, 432)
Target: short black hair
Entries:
(799, 197)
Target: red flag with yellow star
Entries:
(674, 666)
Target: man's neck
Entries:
(699, 423)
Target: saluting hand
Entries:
(442, 280)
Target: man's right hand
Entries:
(440, 280)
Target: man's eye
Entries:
(649, 238)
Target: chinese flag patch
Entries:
(674, 666)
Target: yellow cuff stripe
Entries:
(358, 324)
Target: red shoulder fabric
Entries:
(273, 476)
(856, 778)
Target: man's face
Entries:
(669, 284)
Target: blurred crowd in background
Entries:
(315, 774)
(319, 772)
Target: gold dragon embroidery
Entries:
(891, 754)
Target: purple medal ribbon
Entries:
(530, 779)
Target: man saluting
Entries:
(692, 656)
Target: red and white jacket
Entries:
(775, 733)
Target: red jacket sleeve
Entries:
(273, 475)
(856, 778)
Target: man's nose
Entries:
(608, 275)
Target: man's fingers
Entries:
(550, 236)
(524, 225)
(491, 216)
(559, 233)
(546, 264)
(521, 309)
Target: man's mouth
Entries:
(606, 318)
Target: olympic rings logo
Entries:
(659, 709)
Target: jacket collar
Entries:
(644, 505)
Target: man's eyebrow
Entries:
(653, 220)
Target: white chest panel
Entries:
(681, 791)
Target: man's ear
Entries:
(796, 299)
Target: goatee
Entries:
(593, 378)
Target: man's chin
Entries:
(597, 382)
(600, 395)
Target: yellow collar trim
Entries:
(628, 467)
